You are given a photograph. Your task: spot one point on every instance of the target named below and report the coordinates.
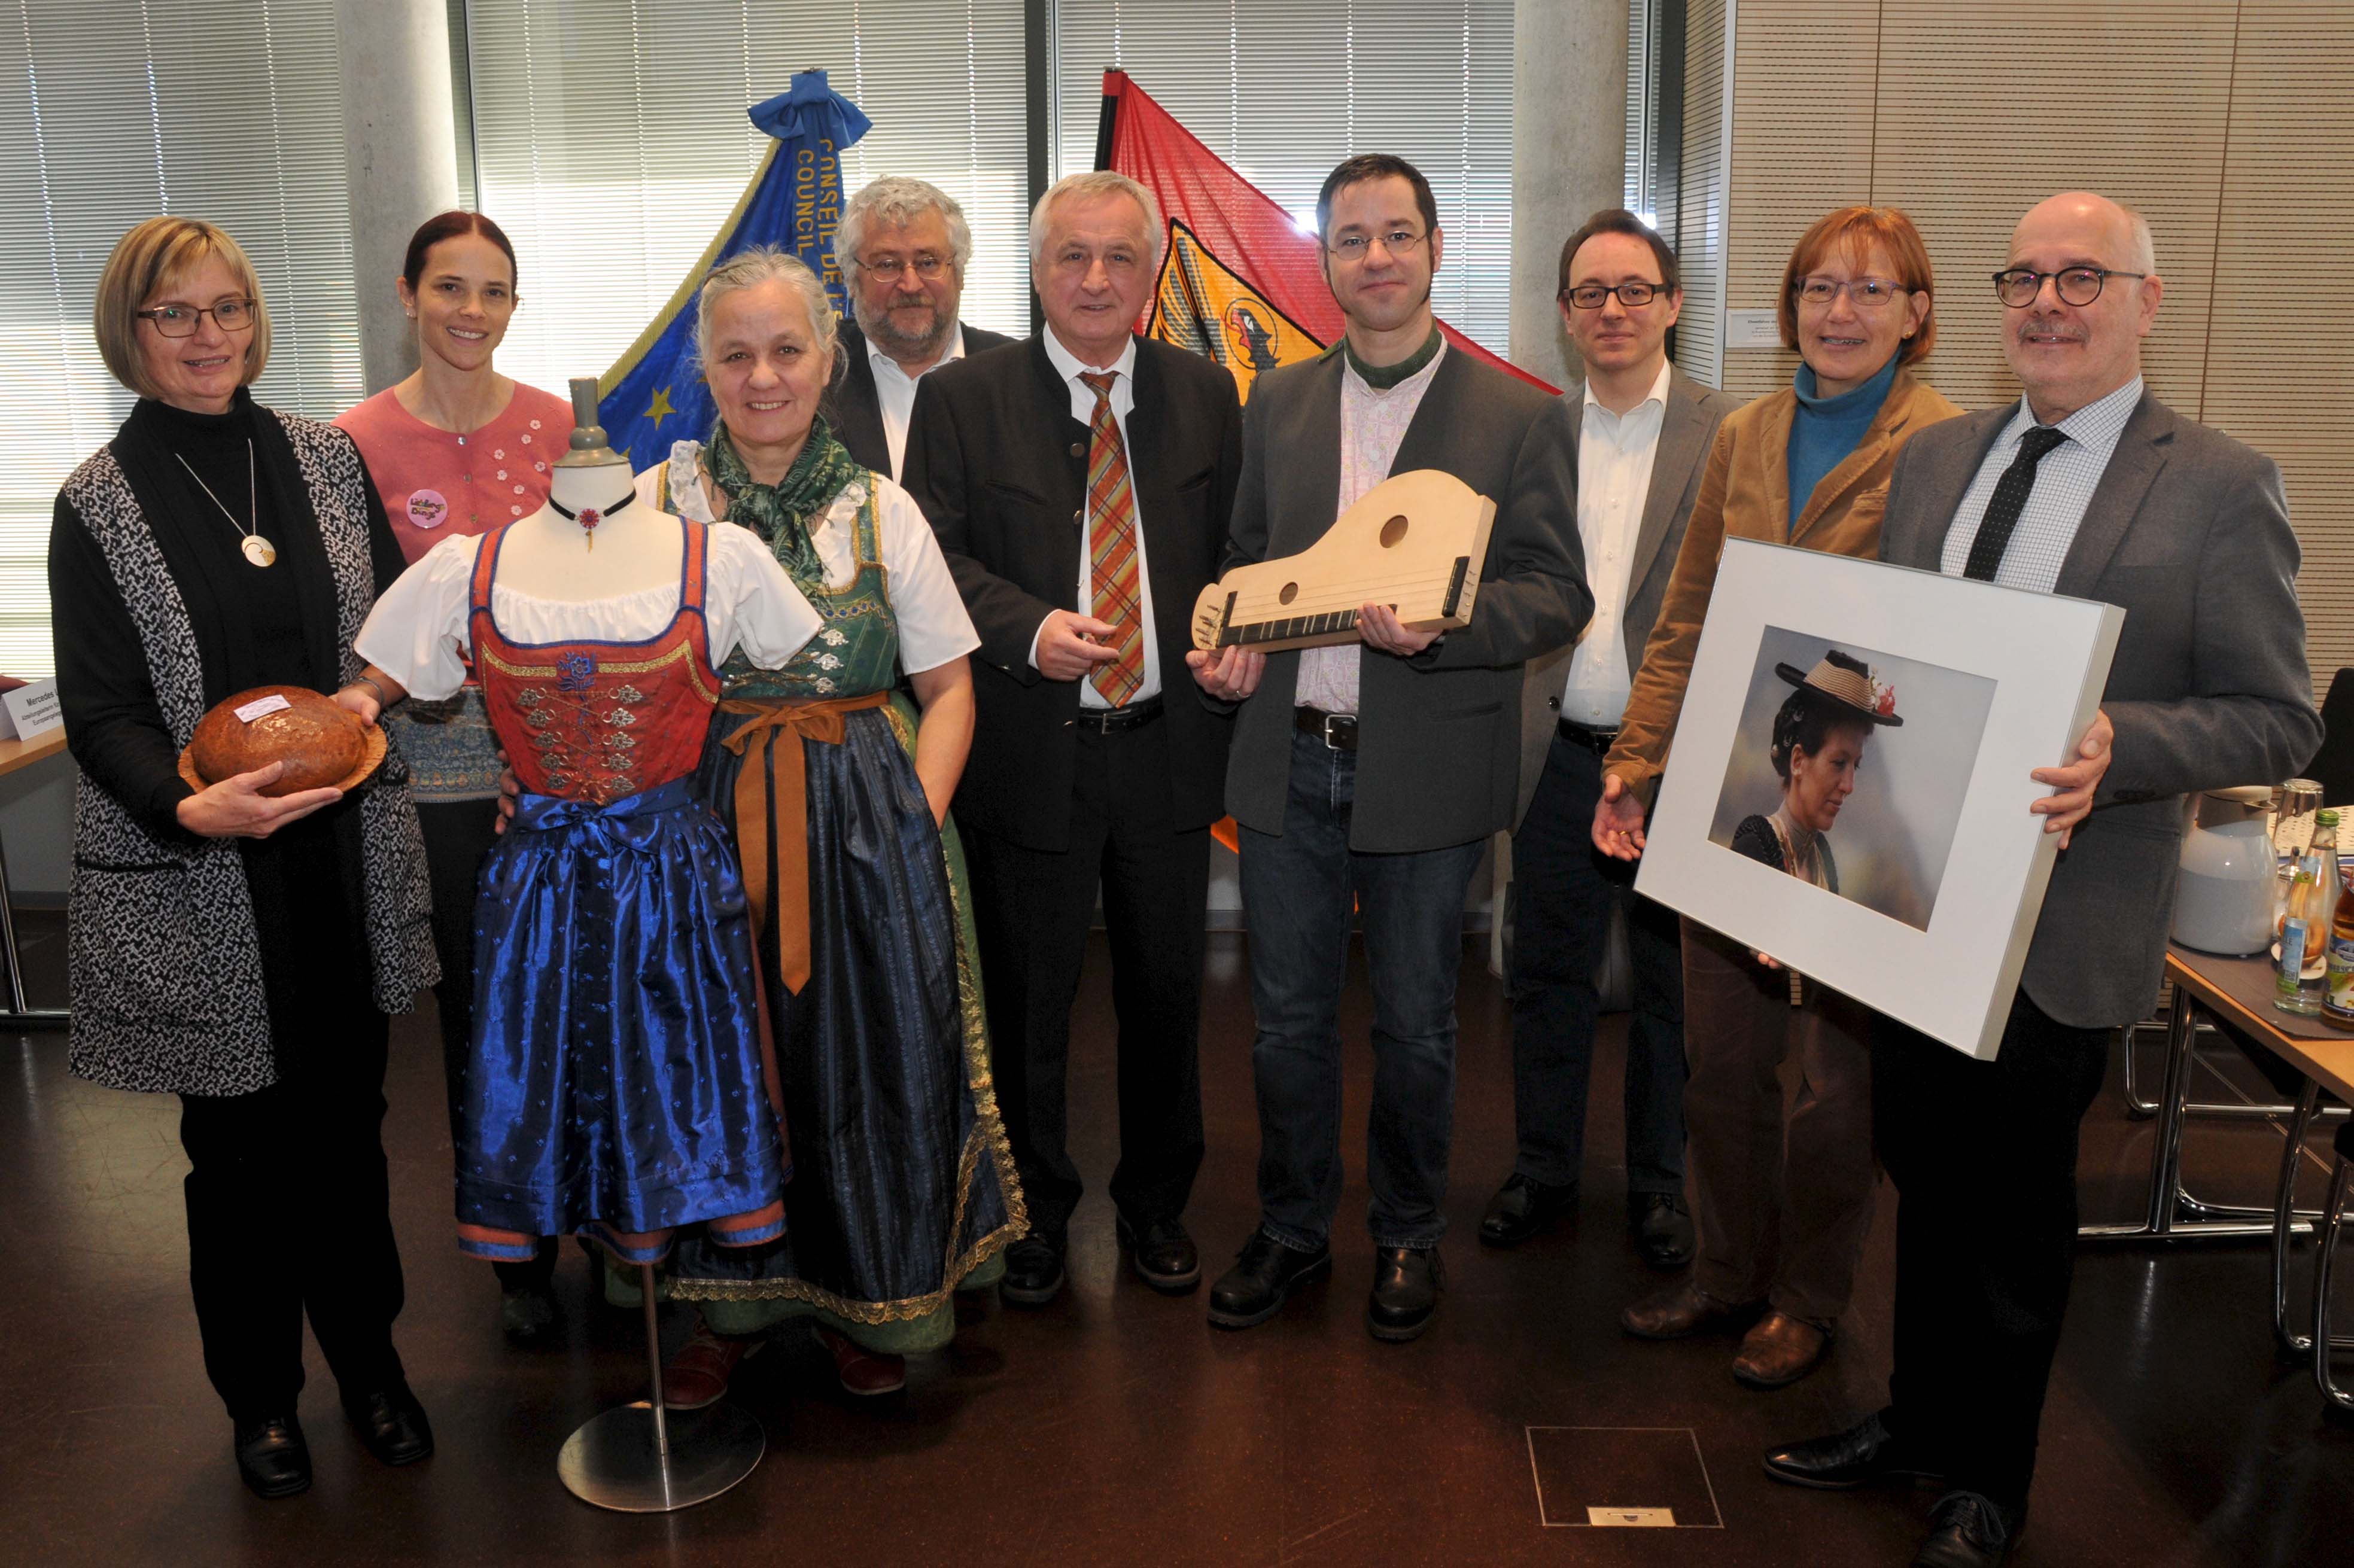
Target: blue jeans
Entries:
(1563, 890)
(1298, 889)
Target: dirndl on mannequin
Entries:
(615, 1085)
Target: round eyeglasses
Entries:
(2019, 287)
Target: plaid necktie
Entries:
(1114, 587)
(2010, 500)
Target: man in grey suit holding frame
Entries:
(1372, 774)
(2090, 487)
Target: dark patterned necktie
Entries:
(2011, 494)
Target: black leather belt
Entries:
(1119, 721)
(1597, 741)
(1338, 731)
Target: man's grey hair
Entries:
(2145, 248)
(751, 267)
(1088, 186)
(900, 200)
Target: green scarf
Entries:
(1382, 377)
(783, 513)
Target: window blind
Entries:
(229, 110)
(610, 141)
(1284, 91)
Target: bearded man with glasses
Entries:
(902, 246)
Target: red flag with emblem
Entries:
(1240, 282)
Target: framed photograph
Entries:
(1848, 789)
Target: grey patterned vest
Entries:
(162, 949)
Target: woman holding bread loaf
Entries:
(235, 944)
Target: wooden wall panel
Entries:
(1802, 136)
(1971, 132)
(2281, 330)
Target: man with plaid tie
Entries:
(1080, 483)
(2089, 486)
(1369, 777)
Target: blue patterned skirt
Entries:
(903, 1182)
(615, 1078)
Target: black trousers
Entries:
(458, 834)
(1983, 1155)
(289, 1214)
(1033, 909)
(1563, 891)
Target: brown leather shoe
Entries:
(862, 1370)
(1682, 1310)
(1778, 1351)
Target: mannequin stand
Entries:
(640, 1458)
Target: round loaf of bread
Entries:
(320, 743)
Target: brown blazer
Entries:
(1745, 495)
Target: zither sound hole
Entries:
(1290, 591)
(1393, 531)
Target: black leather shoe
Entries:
(1522, 1207)
(1034, 1270)
(391, 1425)
(271, 1458)
(1262, 1279)
(1863, 1454)
(1163, 1254)
(1661, 1227)
(1966, 1531)
(526, 1313)
(1406, 1283)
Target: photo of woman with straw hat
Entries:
(1820, 734)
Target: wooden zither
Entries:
(1415, 542)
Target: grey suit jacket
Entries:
(2188, 534)
(1438, 734)
(1686, 427)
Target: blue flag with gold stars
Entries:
(655, 394)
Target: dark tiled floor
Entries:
(1114, 1427)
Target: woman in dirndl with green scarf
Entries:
(902, 1186)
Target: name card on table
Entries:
(30, 711)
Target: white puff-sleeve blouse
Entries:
(417, 629)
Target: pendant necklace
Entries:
(590, 516)
(256, 548)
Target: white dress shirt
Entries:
(1082, 408)
(895, 389)
(1615, 453)
(1372, 426)
(2064, 482)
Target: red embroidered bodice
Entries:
(598, 721)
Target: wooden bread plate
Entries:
(372, 749)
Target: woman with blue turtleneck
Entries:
(1781, 1205)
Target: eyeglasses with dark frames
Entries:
(2019, 287)
(181, 320)
(1589, 296)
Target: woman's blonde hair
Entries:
(146, 260)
